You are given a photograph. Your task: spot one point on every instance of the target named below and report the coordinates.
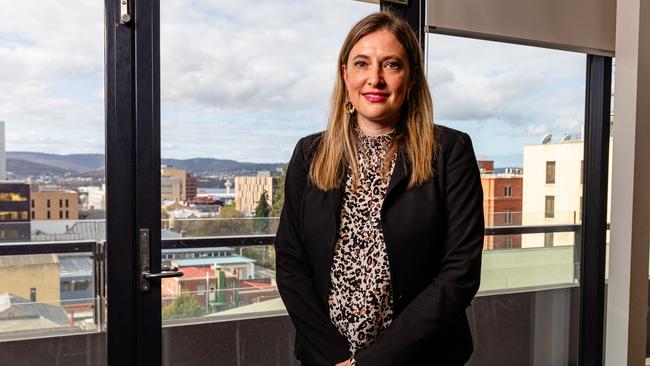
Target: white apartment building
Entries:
(552, 189)
(95, 197)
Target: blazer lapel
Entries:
(400, 172)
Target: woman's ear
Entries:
(344, 74)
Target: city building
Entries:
(176, 184)
(249, 189)
(171, 189)
(95, 197)
(552, 189)
(191, 186)
(207, 204)
(21, 314)
(34, 277)
(502, 204)
(55, 205)
(14, 211)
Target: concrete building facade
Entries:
(553, 190)
(173, 183)
(55, 205)
(33, 277)
(249, 189)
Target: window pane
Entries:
(550, 172)
(523, 108)
(235, 101)
(51, 147)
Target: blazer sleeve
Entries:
(445, 299)
(294, 276)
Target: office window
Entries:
(33, 215)
(507, 191)
(32, 294)
(548, 239)
(550, 172)
(67, 215)
(48, 203)
(67, 203)
(549, 207)
(49, 215)
(60, 214)
(33, 204)
(508, 242)
(60, 203)
(508, 215)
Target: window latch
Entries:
(124, 12)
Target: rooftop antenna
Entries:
(546, 139)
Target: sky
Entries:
(245, 79)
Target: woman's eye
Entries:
(392, 65)
(360, 64)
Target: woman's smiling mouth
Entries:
(375, 97)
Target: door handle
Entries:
(166, 272)
(144, 264)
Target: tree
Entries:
(278, 195)
(184, 306)
(229, 222)
(262, 211)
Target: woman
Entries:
(379, 244)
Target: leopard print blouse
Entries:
(360, 298)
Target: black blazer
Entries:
(434, 238)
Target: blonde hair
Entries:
(415, 132)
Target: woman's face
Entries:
(376, 77)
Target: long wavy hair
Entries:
(415, 132)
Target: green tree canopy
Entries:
(262, 212)
(184, 306)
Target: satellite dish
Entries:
(546, 139)
(565, 138)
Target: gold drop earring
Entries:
(348, 107)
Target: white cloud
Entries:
(245, 79)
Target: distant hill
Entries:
(80, 163)
(206, 165)
(24, 168)
(33, 164)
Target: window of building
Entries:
(508, 242)
(49, 215)
(33, 215)
(550, 172)
(48, 203)
(548, 239)
(32, 294)
(67, 203)
(60, 214)
(549, 207)
(508, 217)
(33, 204)
(12, 197)
(67, 215)
(60, 203)
(507, 191)
(13, 215)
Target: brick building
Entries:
(502, 204)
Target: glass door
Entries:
(206, 102)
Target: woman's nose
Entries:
(376, 76)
